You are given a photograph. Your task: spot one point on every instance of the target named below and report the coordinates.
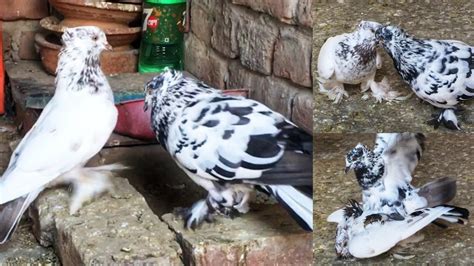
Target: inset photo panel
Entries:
(393, 198)
(386, 66)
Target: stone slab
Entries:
(266, 235)
(118, 227)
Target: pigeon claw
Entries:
(448, 118)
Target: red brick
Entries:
(23, 9)
(292, 59)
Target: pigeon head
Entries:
(365, 33)
(356, 157)
(87, 38)
(160, 85)
(367, 166)
(369, 25)
(390, 36)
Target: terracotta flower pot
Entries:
(119, 15)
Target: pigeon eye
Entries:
(95, 37)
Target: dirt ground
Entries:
(426, 19)
(445, 155)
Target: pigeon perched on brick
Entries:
(391, 209)
(438, 71)
(72, 128)
(352, 58)
(230, 145)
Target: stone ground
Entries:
(428, 19)
(445, 155)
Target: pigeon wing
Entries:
(226, 138)
(64, 137)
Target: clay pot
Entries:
(117, 14)
(112, 62)
(122, 36)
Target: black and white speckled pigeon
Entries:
(229, 145)
(391, 209)
(352, 58)
(438, 71)
(71, 129)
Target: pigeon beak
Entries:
(348, 168)
(108, 47)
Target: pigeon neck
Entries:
(79, 70)
(406, 56)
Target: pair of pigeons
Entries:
(439, 72)
(392, 209)
(228, 145)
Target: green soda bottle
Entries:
(162, 43)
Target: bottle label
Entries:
(163, 24)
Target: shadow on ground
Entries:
(445, 155)
(426, 19)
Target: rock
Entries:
(104, 228)
(224, 38)
(256, 37)
(201, 24)
(302, 113)
(284, 10)
(304, 13)
(276, 93)
(206, 64)
(266, 235)
(292, 59)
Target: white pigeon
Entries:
(230, 145)
(71, 129)
(352, 58)
(392, 209)
(367, 233)
(438, 71)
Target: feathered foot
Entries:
(89, 182)
(198, 213)
(334, 90)
(229, 204)
(448, 118)
(382, 91)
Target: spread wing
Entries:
(236, 139)
(401, 153)
(63, 138)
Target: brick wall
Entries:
(263, 45)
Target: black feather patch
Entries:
(263, 146)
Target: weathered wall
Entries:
(20, 23)
(263, 45)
